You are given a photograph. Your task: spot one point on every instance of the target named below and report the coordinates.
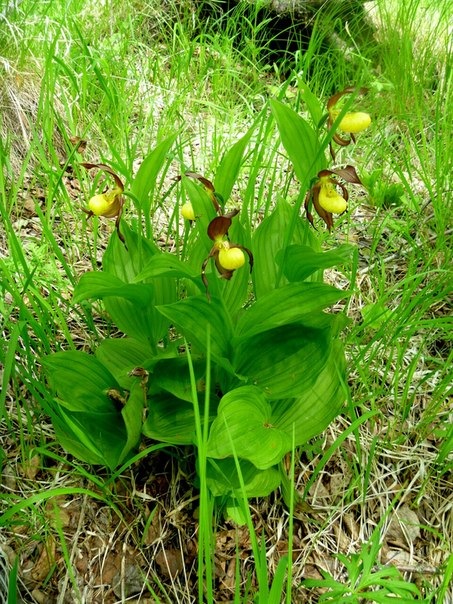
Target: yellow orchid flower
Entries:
(227, 256)
(187, 211)
(325, 196)
(329, 198)
(108, 204)
(351, 123)
(231, 257)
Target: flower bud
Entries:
(187, 211)
(355, 122)
(330, 200)
(231, 258)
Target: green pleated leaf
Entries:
(90, 423)
(192, 317)
(132, 413)
(223, 480)
(301, 261)
(269, 239)
(167, 265)
(173, 376)
(311, 413)
(88, 439)
(203, 208)
(125, 264)
(103, 285)
(127, 261)
(170, 420)
(243, 427)
(121, 355)
(285, 361)
(146, 177)
(136, 322)
(300, 141)
(74, 440)
(229, 166)
(81, 381)
(288, 304)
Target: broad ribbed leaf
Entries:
(136, 322)
(145, 179)
(167, 265)
(312, 413)
(170, 420)
(192, 317)
(130, 305)
(243, 427)
(229, 166)
(81, 381)
(92, 440)
(132, 413)
(288, 304)
(300, 141)
(301, 261)
(127, 263)
(89, 421)
(269, 239)
(103, 285)
(121, 355)
(173, 375)
(283, 362)
(222, 478)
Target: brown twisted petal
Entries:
(348, 173)
(207, 185)
(349, 90)
(313, 194)
(105, 168)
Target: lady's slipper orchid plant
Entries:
(325, 196)
(351, 124)
(108, 204)
(227, 256)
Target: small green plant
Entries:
(383, 194)
(365, 580)
(277, 369)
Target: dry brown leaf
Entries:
(128, 581)
(45, 561)
(343, 539)
(397, 557)
(57, 514)
(404, 527)
(154, 530)
(40, 596)
(31, 467)
(110, 567)
(311, 572)
(229, 578)
(352, 525)
(170, 561)
(79, 143)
